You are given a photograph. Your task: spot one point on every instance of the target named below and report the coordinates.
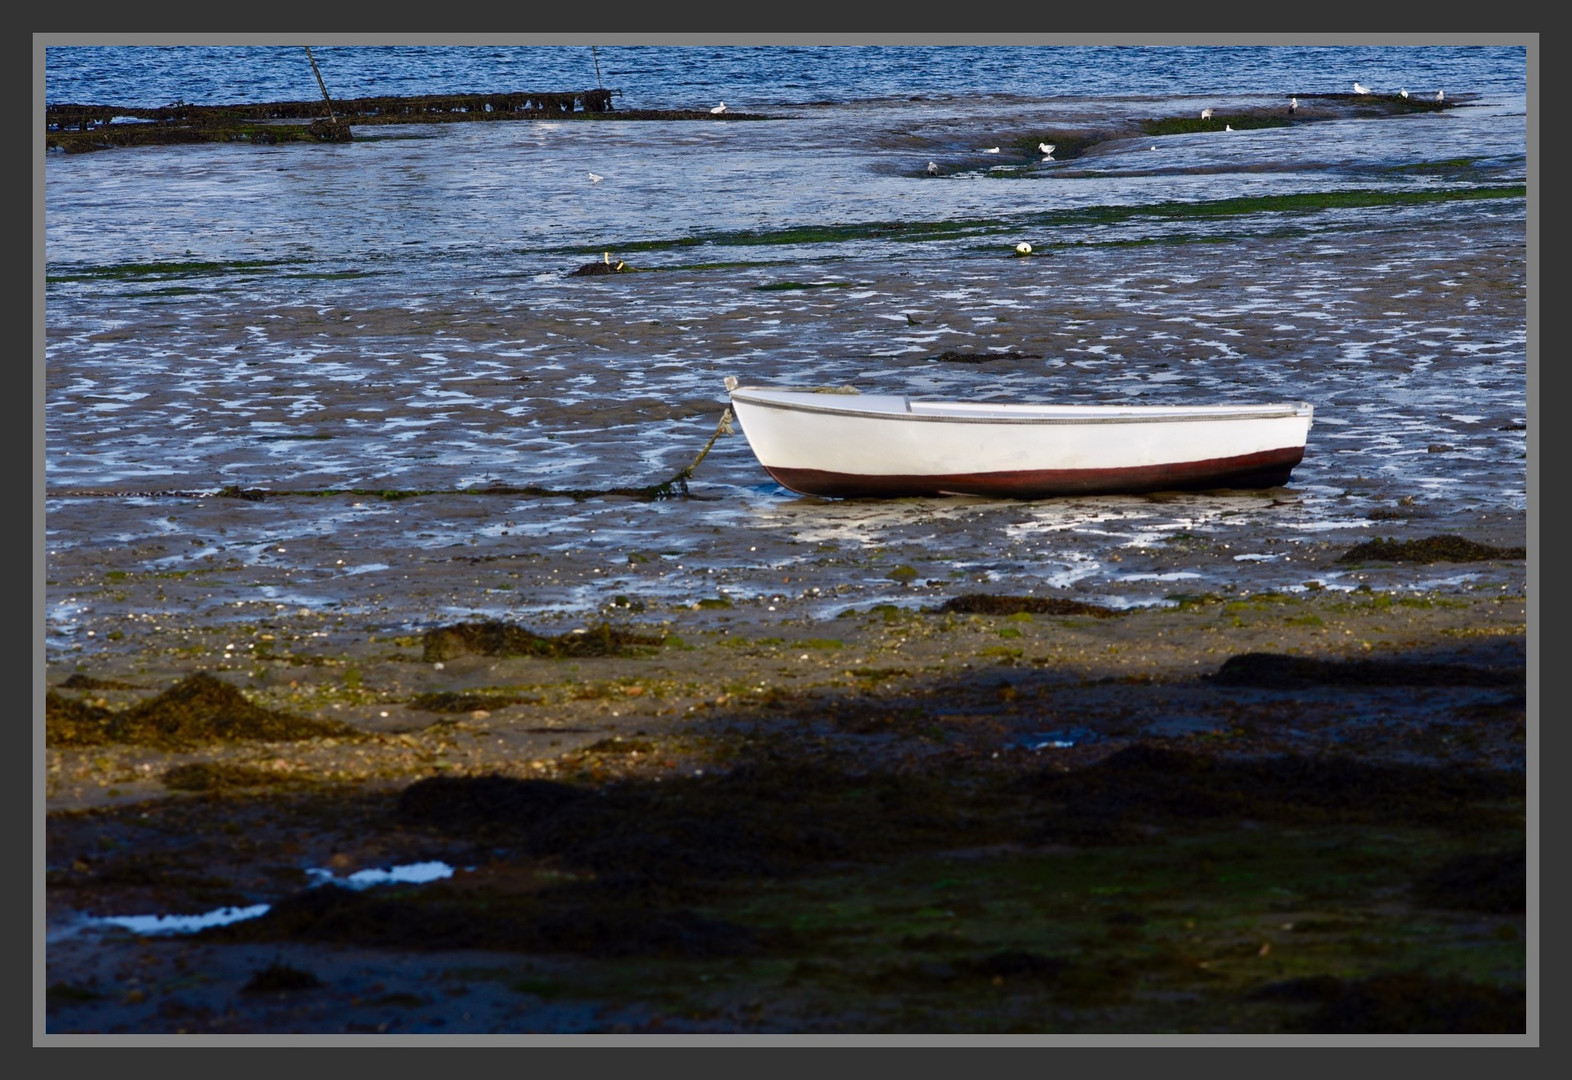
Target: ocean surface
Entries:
(399, 313)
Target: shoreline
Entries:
(714, 658)
(732, 706)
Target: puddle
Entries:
(412, 874)
(1060, 739)
(161, 925)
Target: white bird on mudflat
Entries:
(1228, 127)
(1440, 95)
(1402, 93)
(1045, 147)
(596, 178)
(717, 110)
(1293, 104)
(933, 168)
(991, 150)
(1358, 89)
(1206, 114)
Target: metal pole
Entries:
(597, 68)
(322, 84)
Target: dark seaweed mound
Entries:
(983, 604)
(199, 710)
(1430, 549)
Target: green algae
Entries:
(1174, 210)
(162, 270)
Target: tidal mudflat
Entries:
(358, 560)
(1271, 814)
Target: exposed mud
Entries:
(1412, 1003)
(1279, 671)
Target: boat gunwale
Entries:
(1119, 414)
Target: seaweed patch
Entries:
(984, 604)
(494, 637)
(1428, 550)
(199, 710)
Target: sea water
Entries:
(399, 313)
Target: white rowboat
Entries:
(855, 445)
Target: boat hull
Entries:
(882, 446)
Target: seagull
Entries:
(1440, 95)
(1358, 89)
(1045, 147)
(596, 178)
(717, 110)
(1206, 114)
(1293, 105)
(1402, 93)
(1228, 127)
(991, 150)
(933, 168)
(1023, 248)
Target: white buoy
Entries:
(717, 110)
(1023, 248)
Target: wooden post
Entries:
(323, 85)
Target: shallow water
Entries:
(397, 313)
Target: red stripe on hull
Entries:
(1269, 468)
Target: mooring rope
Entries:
(666, 489)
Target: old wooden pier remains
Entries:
(78, 128)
